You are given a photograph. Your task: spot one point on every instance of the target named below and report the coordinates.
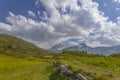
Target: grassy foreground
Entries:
(94, 68)
(24, 69)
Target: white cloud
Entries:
(31, 14)
(117, 9)
(62, 20)
(118, 20)
(118, 1)
(4, 26)
(28, 28)
(105, 4)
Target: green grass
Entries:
(94, 68)
(24, 69)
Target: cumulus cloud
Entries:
(62, 20)
(118, 20)
(31, 29)
(31, 14)
(5, 28)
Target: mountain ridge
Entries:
(14, 46)
(96, 50)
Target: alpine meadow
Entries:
(59, 39)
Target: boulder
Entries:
(79, 77)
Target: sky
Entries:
(50, 22)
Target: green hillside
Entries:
(17, 47)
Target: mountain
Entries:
(63, 45)
(79, 47)
(11, 45)
(83, 46)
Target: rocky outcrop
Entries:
(65, 71)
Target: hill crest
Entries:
(14, 46)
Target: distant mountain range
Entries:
(83, 46)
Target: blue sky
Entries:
(49, 22)
(109, 8)
(22, 6)
(16, 6)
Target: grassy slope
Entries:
(17, 47)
